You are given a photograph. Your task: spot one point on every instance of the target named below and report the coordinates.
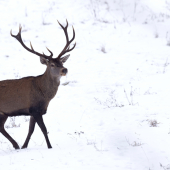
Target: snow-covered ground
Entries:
(114, 112)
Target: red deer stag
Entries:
(30, 96)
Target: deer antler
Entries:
(67, 46)
(19, 38)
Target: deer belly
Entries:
(14, 107)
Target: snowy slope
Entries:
(114, 112)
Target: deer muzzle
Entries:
(64, 71)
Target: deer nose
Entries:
(64, 71)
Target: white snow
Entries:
(114, 113)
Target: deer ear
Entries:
(43, 61)
(64, 59)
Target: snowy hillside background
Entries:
(112, 110)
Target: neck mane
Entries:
(48, 84)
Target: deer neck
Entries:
(48, 84)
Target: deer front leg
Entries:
(38, 118)
(30, 132)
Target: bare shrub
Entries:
(153, 123)
(110, 102)
(134, 144)
(131, 95)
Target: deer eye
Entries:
(52, 65)
(58, 65)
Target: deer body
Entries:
(31, 95)
(28, 92)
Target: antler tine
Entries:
(19, 38)
(73, 47)
(31, 46)
(68, 42)
(50, 52)
(20, 28)
(62, 25)
(73, 35)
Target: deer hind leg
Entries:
(30, 132)
(3, 119)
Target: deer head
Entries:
(54, 65)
